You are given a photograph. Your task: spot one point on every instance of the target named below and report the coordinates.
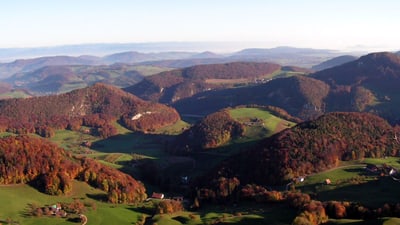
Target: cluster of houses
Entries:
(261, 80)
(383, 170)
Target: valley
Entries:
(231, 142)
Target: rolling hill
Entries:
(300, 96)
(33, 74)
(233, 125)
(51, 170)
(61, 79)
(310, 147)
(26, 65)
(95, 106)
(171, 86)
(287, 56)
(368, 84)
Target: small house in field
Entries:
(300, 179)
(392, 172)
(371, 168)
(327, 181)
(156, 195)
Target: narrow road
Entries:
(84, 219)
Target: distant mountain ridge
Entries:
(61, 79)
(337, 61)
(136, 57)
(281, 55)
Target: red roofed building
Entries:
(157, 195)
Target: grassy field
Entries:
(266, 123)
(126, 141)
(351, 182)
(15, 200)
(246, 214)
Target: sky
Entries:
(328, 24)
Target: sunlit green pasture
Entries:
(15, 201)
(259, 123)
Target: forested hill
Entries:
(213, 131)
(94, 106)
(369, 84)
(311, 147)
(170, 86)
(301, 96)
(50, 169)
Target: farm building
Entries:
(157, 195)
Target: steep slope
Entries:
(337, 61)
(171, 86)
(367, 84)
(59, 111)
(370, 68)
(311, 147)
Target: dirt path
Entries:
(84, 219)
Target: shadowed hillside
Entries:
(171, 86)
(300, 96)
(337, 61)
(367, 84)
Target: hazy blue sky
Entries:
(333, 24)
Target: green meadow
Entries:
(259, 122)
(15, 201)
(351, 182)
(17, 198)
